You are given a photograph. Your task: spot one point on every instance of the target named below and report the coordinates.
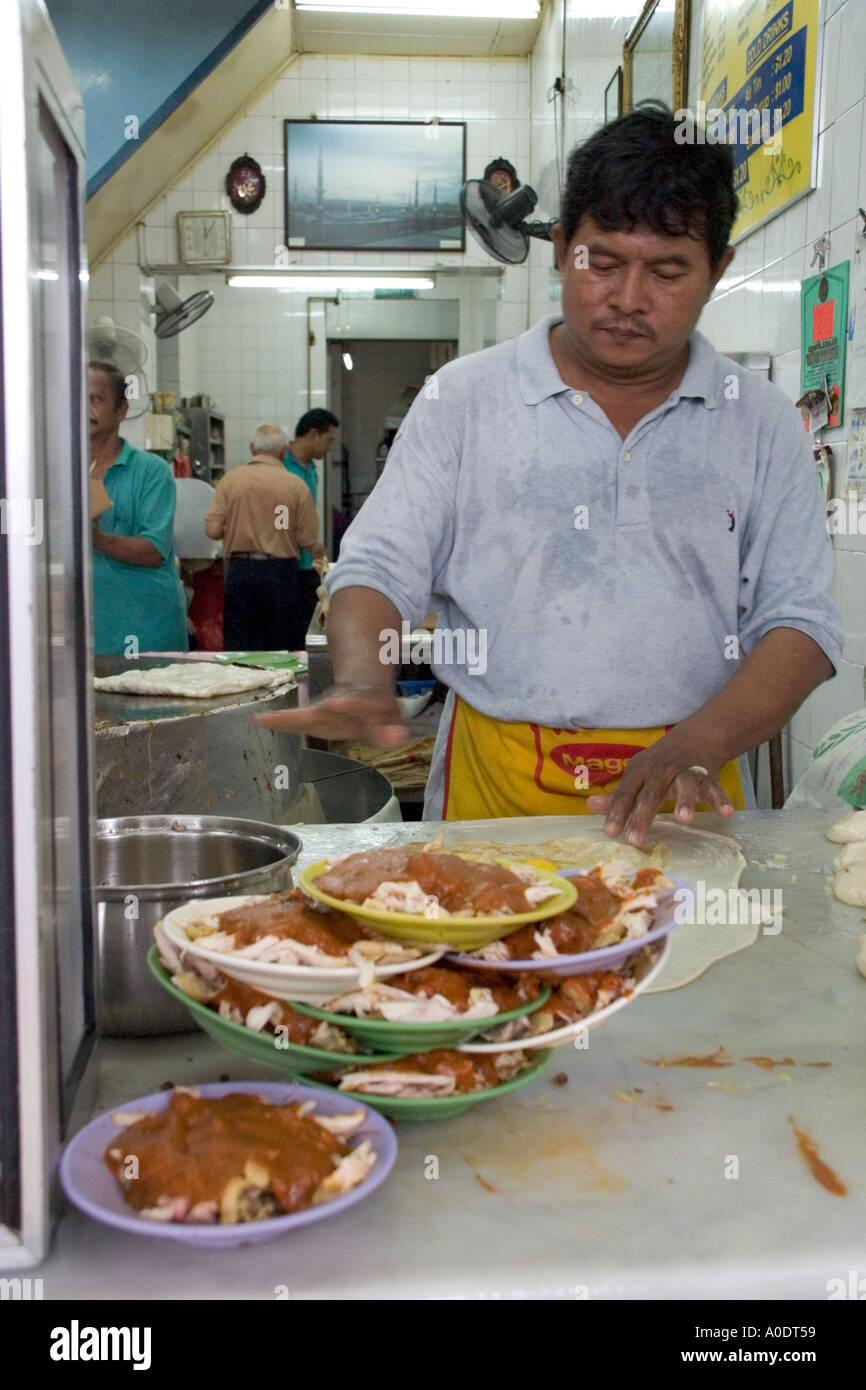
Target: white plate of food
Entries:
(283, 945)
(600, 995)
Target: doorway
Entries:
(373, 382)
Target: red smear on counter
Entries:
(771, 1062)
(486, 1185)
(821, 1171)
(718, 1058)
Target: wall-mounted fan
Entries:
(125, 350)
(174, 314)
(499, 223)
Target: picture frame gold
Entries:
(637, 66)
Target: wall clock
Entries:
(204, 238)
(245, 184)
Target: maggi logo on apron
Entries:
(493, 768)
(594, 763)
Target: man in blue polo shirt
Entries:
(630, 522)
(314, 435)
(138, 600)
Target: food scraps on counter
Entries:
(820, 1170)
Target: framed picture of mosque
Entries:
(375, 185)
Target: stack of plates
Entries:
(308, 988)
(378, 1040)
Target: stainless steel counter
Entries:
(564, 1191)
(162, 755)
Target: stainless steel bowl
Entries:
(146, 865)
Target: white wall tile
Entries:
(846, 164)
(395, 70)
(786, 373)
(849, 688)
(851, 73)
(422, 98)
(101, 283)
(818, 201)
(829, 71)
(792, 274)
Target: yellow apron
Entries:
(496, 769)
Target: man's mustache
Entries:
(623, 326)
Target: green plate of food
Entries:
(270, 1047)
(435, 1085)
(430, 1008)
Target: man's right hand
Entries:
(346, 712)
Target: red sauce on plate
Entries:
(194, 1147)
(459, 885)
(290, 915)
(576, 995)
(456, 985)
(298, 1028)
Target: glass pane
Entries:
(58, 517)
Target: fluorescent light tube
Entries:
(330, 282)
(347, 361)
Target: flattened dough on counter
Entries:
(849, 828)
(195, 680)
(718, 862)
(680, 850)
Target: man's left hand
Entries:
(671, 768)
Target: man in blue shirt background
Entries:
(314, 435)
(139, 603)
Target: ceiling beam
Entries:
(195, 128)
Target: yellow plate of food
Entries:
(437, 898)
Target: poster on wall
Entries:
(823, 337)
(857, 452)
(758, 94)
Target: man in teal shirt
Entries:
(138, 600)
(314, 435)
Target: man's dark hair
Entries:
(116, 380)
(320, 420)
(634, 171)
(506, 166)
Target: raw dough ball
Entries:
(853, 853)
(849, 885)
(861, 956)
(852, 827)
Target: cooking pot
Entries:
(146, 865)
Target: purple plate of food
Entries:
(329, 1155)
(650, 913)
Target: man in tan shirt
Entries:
(264, 515)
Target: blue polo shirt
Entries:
(139, 601)
(616, 580)
(308, 474)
